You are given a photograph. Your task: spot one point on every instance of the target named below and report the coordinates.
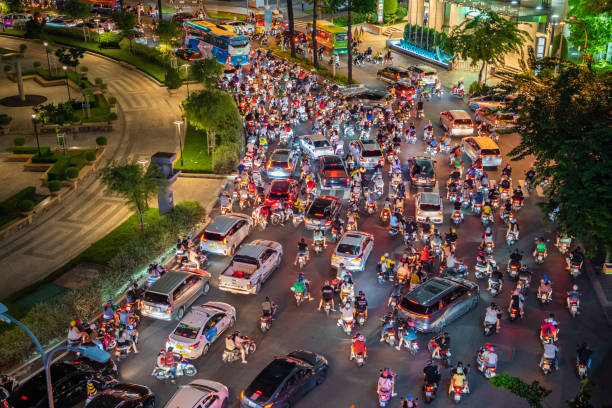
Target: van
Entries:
(225, 233)
(457, 122)
(174, 292)
(484, 148)
(429, 205)
(438, 302)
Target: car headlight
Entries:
(334, 256)
(357, 260)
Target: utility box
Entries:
(165, 197)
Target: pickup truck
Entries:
(252, 265)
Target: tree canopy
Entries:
(564, 123)
(581, 8)
(207, 71)
(488, 37)
(166, 30)
(77, 9)
(55, 115)
(533, 393)
(69, 57)
(215, 111)
(126, 21)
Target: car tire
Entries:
(206, 288)
(322, 376)
(232, 322)
(150, 403)
(180, 313)
(205, 350)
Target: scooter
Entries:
(183, 367)
(575, 270)
(429, 391)
(544, 298)
(513, 269)
(301, 260)
(299, 297)
(229, 356)
(489, 328)
(547, 366)
(510, 239)
(346, 324)
(456, 394)
(495, 289)
(361, 319)
(359, 359)
(457, 217)
(488, 372)
(318, 246)
(573, 308)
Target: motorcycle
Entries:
(539, 258)
(481, 269)
(514, 313)
(490, 247)
(297, 219)
(573, 307)
(445, 354)
(412, 346)
(510, 238)
(327, 308)
(489, 328)
(457, 217)
(229, 356)
(359, 359)
(336, 234)
(301, 260)
(389, 336)
(346, 324)
(385, 214)
(371, 208)
(485, 219)
(361, 318)
(544, 298)
(495, 289)
(318, 246)
(575, 270)
(429, 391)
(513, 269)
(456, 394)
(517, 204)
(488, 372)
(582, 370)
(183, 367)
(477, 209)
(299, 297)
(547, 365)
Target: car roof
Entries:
(169, 281)
(423, 158)
(251, 251)
(317, 137)
(106, 401)
(370, 144)
(426, 68)
(280, 184)
(221, 224)
(459, 114)
(396, 68)
(430, 198)
(331, 159)
(431, 291)
(485, 142)
(189, 395)
(326, 198)
(270, 378)
(353, 238)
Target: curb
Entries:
(599, 291)
(204, 175)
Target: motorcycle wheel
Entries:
(190, 370)
(159, 375)
(252, 347)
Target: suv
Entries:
(457, 122)
(332, 173)
(438, 302)
(282, 190)
(282, 163)
(482, 147)
(367, 153)
(321, 212)
(353, 250)
(423, 174)
(488, 101)
(285, 380)
(393, 74)
(429, 205)
(496, 120)
(223, 235)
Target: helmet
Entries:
(459, 370)
(107, 304)
(363, 294)
(516, 292)
(301, 278)
(453, 230)
(491, 349)
(575, 287)
(170, 349)
(409, 398)
(72, 323)
(162, 350)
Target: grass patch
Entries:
(226, 15)
(44, 150)
(9, 208)
(98, 114)
(195, 155)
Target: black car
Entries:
(332, 173)
(321, 212)
(69, 379)
(285, 380)
(124, 396)
(422, 174)
(188, 54)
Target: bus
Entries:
(330, 36)
(216, 41)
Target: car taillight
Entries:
(270, 405)
(241, 394)
(269, 166)
(169, 310)
(348, 180)
(225, 240)
(324, 180)
(249, 285)
(194, 346)
(328, 222)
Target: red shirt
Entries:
(359, 347)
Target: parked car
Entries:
(353, 250)
(69, 379)
(489, 101)
(332, 173)
(200, 327)
(14, 19)
(321, 212)
(225, 233)
(393, 74)
(282, 190)
(429, 205)
(367, 153)
(438, 302)
(62, 22)
(173, 293)
(251, 267)
(285, 380)
(457, 122)
(484, 148)
(124, 396)
(282, 163)
(423, 173)
(316, 145)
(188, 54)
(200, 394)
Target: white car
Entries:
(200, 394)
(240, 27)
(353, 250)
(429, 205)
(203, 325)
(316, 145)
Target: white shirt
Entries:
(550, 350)
(491, 316)
(489, 358)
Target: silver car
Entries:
(201, 394)
(429, 205)
(282, 163)
(353, 250)
(368, 153)
(483, 147)
(316, 145)
(225, 233)
(457, 122)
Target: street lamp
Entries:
(36, 133)
(48, 61)
(65, 68)
(186, 66)
(178, 124)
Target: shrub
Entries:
(19, 141)
(112, 100)
(101, 141)
(54, 185)
(26, 206)
(112, 116)
(83, 69)
(72, 172)
(225, 159)
(173, 79)
(478, 89)
(8, 68)
(44, 150)
(22, 48)
(5, 119)
(389, 9)
(36, 64)
(90, 155)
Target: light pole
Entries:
(36, 133)
(178, 124)
(65, 68)
(48, 61)
(186, 66)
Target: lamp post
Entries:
(65, 68)
(186, 66)
(36, 133)
(48, 61)
(178, 124)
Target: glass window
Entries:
(540, 47)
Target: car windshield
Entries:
(348, 249)
(425, 168)
(489, 152)
(156, 298)
(321, 143)
(279, 163)
(414, 307)
(506, 116)
(429, 207)
(278, 195)
(320, 208)
(463, 122)
(266, 383)
(341, 37)
(186, 331)
(239, 43)
(213, 236)
(371, 153)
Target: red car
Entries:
(282, 190)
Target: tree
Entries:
(70, 57)
(173, 79)
(77, 9)
(599, 29)
(315, 53)
(581, 8)
(166, 30)
(534, 393)
(564, 123)
(55, 115)
(34, 28)
(331, 6)
(207, 71)
(215, 112)
(485, 38)
(126, 21)
(583, 399)
(389, 9)
(10, 6)
(359, 6)
(159, 10)
(134, 183)
(291, 26)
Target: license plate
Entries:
(212, 245)
(178, 347)
(184, 354)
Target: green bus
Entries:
(332, 37)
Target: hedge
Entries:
(44, 150)
(50, 321)
(10, 208)
(54, 185)
(225, 158)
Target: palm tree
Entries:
(291, 26)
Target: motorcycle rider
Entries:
(239, 341)
(550, 353)
(576, 257)
(319, 236)
(225, 201)
(302, 250)
(361, 305)
(517, 195)
(513, 228)
(516, 257)
(386, 381)
(396, 292)
(347, 288)
(167, 362)
(545, 288)
(487, 237)
(507, 170)
(517, 300)
(488, 358)
(409, 403)
(405, 334)
(327, 295)
(432, 375)
(549, 328)
(301, 285)
(584, 355)
(451, 237)
(74, 334)
(387, 324)
(493, 316)
(442, 342)
(346, 313)
(459, 380)
(358, 346)
(109, 312)
(540, 248)
(573, 296)
(268, 308)
(496, 279)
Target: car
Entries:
(321, 212)
(423, 173)
(61, 21)
(69, 380)
(282, 190)
(493, 102)
(403, 89)
(140, 38)
(188, 54)
(393, 74)
(367, 153)
(124, 396)
(484, 148)
(353, 250)
(316, 145)
(14, 19)
(429, 205)
(199, 328)
(360, 91)
(284, 381)
(332, 173)
(438, 302)
(457, 122)
(200, 394)
(225, 233)
(241, 27)
(427, 75)
(282, 163)
(497, 120)
(180, 17)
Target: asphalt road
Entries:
(303, 327)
